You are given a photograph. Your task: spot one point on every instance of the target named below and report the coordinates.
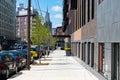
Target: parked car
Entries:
(19, 58)
(43, 52)
(18, 46)
(35, 51)
(8, 65)
(24, 52)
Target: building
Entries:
(22, 19)
(48, 23)
(108, 25)
(7, 22)
(60, 37)
(53, 31)
(94, 29)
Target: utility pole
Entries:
(28, 35)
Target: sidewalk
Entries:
(59, 67)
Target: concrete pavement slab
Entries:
(61, 67)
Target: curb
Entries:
(100, 77)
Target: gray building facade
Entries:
(108, 26)
(94, 29)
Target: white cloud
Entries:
(59, 16)
(57, 8)
(57, 25)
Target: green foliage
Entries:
(53, 41)
(39, 33)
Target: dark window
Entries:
(83, 12)
(88, 57)
(79, 50)
(82, 51)
(88, 10)
(92, 55)
(73, 4)
(92, 12)
(115, 61)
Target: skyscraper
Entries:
(48, 23)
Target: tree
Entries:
(53, 41)
(39, 33)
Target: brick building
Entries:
(94, 29)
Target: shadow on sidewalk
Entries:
(16, 75)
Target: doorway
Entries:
(92, 54)
(115, 61)
(101, 58)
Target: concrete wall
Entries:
(108, 29)
(108, 21)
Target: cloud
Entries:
(57, 8)
(57, 25)
(58, 16)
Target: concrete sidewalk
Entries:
(60, 67)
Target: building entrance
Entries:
(115, 60)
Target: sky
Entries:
(54, 8)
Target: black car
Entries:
(19, 58)
(8, 65)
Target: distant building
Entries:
(59, 31)
(60, 36)
(21, 21)
(48, 23)
(53, 31)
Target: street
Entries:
(57, 66)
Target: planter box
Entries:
(68, 52)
